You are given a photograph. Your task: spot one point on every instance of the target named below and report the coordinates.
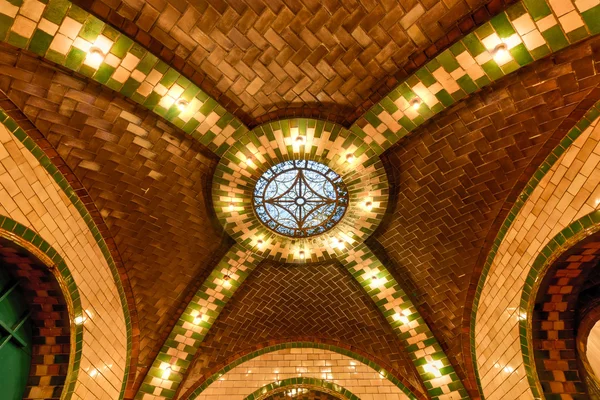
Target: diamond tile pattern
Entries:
(148, 180)
(441, 219)
(266, 59)
(295, 303)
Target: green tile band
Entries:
(177, 353)
(530, 30)
(64, 33)
(566, 238)
(591, 115)
(290, 383)
(301, 345)
(425, 352)
(13, 127)
(29, 239)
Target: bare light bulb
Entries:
(368, 205)
(181, 104)
(302, 255)
(231, 207)
(167, 372)
(416, 103)
(350, 157)
(260, 243)
(226, 280)
(96, 56)
(500, 51)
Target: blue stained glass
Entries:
(300, 198)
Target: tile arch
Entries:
(50, 369)
(319, 385)
(52, 210)
(549, 298)
(497, 345)
(189, 387)
(117, 267)
(579, 112)
(198, 387)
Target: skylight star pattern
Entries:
(300, 198)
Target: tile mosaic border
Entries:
(34, 243)
(267, 145)
(278, 386)
(420, 344)
(13, 127)
(297, 345)
(177, 353)
(64, 33)
(561, 242)
(592, 114)
(530, 30)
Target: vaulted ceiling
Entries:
(264, 60)
(452, 180)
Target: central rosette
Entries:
(300, 198)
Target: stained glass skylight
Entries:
(300, 198)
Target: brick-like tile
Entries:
(149, 181)
(299, 48)
(456, 175)
(291, 302)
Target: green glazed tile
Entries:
(537, 8)
(502, 25)
(40, 42)
(591, 18)
(555, 38)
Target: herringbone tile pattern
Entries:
(264, 59)
(149, 181)
(456, 175)
(298, 302)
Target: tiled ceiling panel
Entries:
(149, 181)
(266, 59)
(299, 303)
(456, 175)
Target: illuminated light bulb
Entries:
(226, 280)
(368, 205)
(197, 320)
(80, 320)
(350, 157)
(415, 103)
(95, 56)
(301, 254)
(260, 243)
(181, 104)
(231, 207)
(432, 369)
(167, 372)
(500, 51)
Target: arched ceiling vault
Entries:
(453, 175)
(266, 60)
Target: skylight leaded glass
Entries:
(300, 198)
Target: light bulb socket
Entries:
(499, 50)
(181, 104)
(96, 51)
(226, 277)
(299, 139)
